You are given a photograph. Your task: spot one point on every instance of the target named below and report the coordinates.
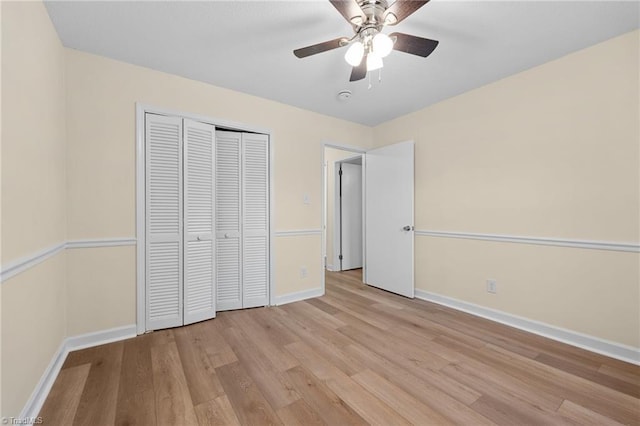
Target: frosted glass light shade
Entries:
(382, 45)
(354, 54)
(374, 61)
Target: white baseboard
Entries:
(88, 340)
(298, 296)
(73, 343)
(330, 268)
(39, 394)
(584, 341)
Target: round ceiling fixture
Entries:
(344, 95)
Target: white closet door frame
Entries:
(141, 213)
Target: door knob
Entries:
(407, 228)
(198, 238)
(226, 235)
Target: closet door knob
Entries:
(198, 238)
(226, 235)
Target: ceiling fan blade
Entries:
(401, 9)
(303, 52)
(359, 72)
(349, 9)
(413, 44)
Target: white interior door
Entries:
(255, 212)
(389, 200)
(228, 221)
(163, 260)
(199, 258)
(351, 216)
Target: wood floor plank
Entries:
(64, 397)
(272, 383)
(487, 380)
(280, 334)
(511, 412)
(424, 391)
(299, 414)
(216, 412)
(323, 400)
(362, 313)
(632, 377)
(100, 395)
(173, 399)
(326, 343)
(595, 376)
(136, 399)
(402, 402)
(583, 416)
(200, 374)
(278, 357)
(310, 311)
(370, 408)
(247, 401)
(523, 401)
(366, 405)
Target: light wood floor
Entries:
(355, 356)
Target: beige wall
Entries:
(33, 197)
(550, 152)
(101, 99)
(332, 155)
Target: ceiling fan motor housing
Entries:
(373, 11)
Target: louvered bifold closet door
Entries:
(228, 221)
(255, 213)
(163, 157)
(199, 258)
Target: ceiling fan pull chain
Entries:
(369, 75)
(380, 76)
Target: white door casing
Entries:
(389, 216)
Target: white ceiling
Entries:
(247, 46)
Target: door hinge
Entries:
(340, 257)
(340, 172)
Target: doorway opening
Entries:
(343, 212)
(348, 214)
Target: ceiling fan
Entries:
(369, 44)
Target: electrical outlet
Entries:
(303, 272)
(492, 286)
(306, 199)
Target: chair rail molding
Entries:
(18, 266)
(633, 247)
(298, 232)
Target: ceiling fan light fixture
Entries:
(382, 45)
(374, 61)
(354, 54)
